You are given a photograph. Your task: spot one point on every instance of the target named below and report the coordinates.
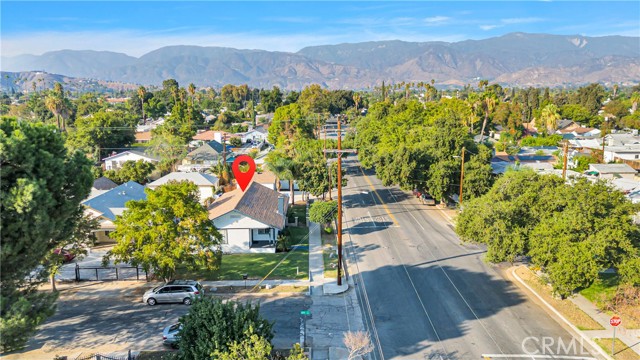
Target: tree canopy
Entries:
(571, 230)
(41, 188)
(169, 229)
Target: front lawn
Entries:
(604, 287)
(623, 352)
(301, 212)
(257, 266)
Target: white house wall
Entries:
(236, 220)
(117, 162)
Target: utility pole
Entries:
(339, 184)
(565, 153)
(340, 203)
(325, 160)
(461, 176)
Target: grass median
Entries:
(622, 351)
(568, 309)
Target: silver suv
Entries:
(176, 291)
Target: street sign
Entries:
(615, 321)
(305, 312)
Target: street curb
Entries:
(567, 322)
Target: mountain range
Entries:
(515, 59)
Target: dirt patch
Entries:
(568, 309)
(623, 352)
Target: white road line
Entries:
(437, 262)
(535, 356)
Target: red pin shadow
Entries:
(243, 178)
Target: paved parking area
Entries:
(98, 315)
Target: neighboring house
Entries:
(249, 221)
(212, 135)
(565, 123)
(206, 183)
(573, 132)
(115, 161)
(143, 137)
(206, 156)
(256, 135)
(100, 186)
(265, 178)
(105, 207)
(612, 171)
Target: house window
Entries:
(225, 236)
(264, 231)
(637, 156)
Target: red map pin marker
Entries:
(243, 178)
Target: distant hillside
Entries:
(513, 59)
(28, 81)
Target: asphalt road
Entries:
(427, 296)
(97, 315)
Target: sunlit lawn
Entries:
(257, 266)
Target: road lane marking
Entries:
(386, 208)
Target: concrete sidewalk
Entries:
(631, 337)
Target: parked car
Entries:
(427, 199)
(184, 291)
(66, 255)
(170, 335)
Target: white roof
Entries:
(197, 178)
(612, 168)
(587, 143)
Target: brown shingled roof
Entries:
(257, 202)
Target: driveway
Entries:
(111, 316)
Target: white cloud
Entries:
(528, 20)
(489, 27)
(437, 20)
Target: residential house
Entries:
(143, 137)
(116, 161)
(576, 131)
(612, 171)
(265, 178)
(257, 135)
(249, 220)
(105, 207)
(206, 156)
(206, 183)
(100, 186)
(209, 135)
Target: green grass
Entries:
(257, 266)
(606, 285)
(301, 212)
(623, 352)
(329, 240)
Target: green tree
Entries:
(235, 142)
(101, 133)
(169, 229)
(59, 105)
(549, 118)
(142, 92)
(42, 186)
(169, 147)
(251, 347)
(282, 167)
(323, 212)
(313, 100)
(137, 171)
(212, 325)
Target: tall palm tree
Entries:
(57, 104)
(549, 117)
(356, 99)
(488, 104)
(141, 94)
(283, 168)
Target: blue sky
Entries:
(135, 28)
